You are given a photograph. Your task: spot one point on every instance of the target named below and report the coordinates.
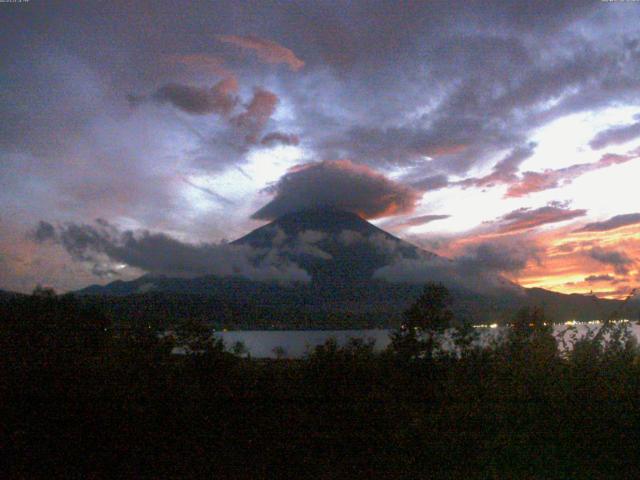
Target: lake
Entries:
(296, 343)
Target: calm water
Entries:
(295, 343)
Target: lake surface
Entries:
(296, 343)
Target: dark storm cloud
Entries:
(615, 135)
(527, 218)
(102, 245)
(618, 260)
(612, 223)
(341, 184)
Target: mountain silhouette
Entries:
(340, 252)
(338, 249)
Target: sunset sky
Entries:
(514, 126)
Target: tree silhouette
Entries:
(429, 315)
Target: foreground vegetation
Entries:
(82, 399)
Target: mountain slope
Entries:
(340, 251)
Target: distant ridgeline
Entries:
(341, 253)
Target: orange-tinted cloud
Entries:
(584, 261)
(340, 184)
(565, 260)
(266, 50)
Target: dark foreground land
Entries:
(81, 399)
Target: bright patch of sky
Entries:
(560, 144)
(565, 142)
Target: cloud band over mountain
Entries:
(103, 245)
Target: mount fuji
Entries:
(341, 256)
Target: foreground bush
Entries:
(99, 402)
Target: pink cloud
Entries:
(266, 50)
(530, 182)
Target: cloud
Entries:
(102, 245)
(615, 135)
(433, 182)
(200, 62)
(519, 184)
(401, 145)
(243, 124)
(504, 171)
(268, 51)
(530, 182)
(220, 99)
(257, 113)
(612, 223)
(280, 138)
(413, 221)
(498, 256)
(601, 278)
(421, 220)
(619, 260)
(216, 196)
(305, 243)
(43, 232)
(341, 184)
(473, 83)
(480, 268)
(526, 218)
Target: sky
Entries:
(141, 136)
